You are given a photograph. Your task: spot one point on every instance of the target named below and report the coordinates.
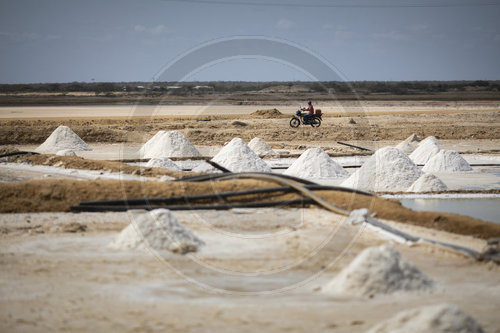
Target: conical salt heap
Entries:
(260, 147)
(237, 156)
(61, 139)
(379, 270)
(389, 169)
(447, 161)
(413, 138)
(168, 144)
(440, 318)
(406, 147)
(425, 150)
(163, 162)
(315, 163)
(427, 183)
(157, 230)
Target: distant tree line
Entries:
(221, 87)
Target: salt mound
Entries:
(237, 156)
(406, 147)
(379, 270)
(315, 163)
(447, 161)
(413, 138)
(438, 318)
(260, 147)
(168, 144)
(158, 230)
(66, 152)
(427, 183)
(425, 150)
(62, 138)
(388, 169)
(164, 163)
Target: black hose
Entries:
(100, 208)
(217, 166)
(190, 198)
(215, 176)
(19, 153)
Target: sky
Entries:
(134, 40)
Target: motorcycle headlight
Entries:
(297, 113)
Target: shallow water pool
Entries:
(481, 208)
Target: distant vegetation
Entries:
(220, 87)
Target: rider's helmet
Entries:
(309, 102)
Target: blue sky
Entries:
(131, 40)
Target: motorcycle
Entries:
(314, 120)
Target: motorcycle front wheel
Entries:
(294, 122)
(315, 122)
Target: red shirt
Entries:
(310, 108)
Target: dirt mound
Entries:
(156, 230)
(439, 318)
(267, 113)
(75, 162)
(379, 270)
(58, 195)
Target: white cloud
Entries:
(344, 34)
(159, 29)
(419, 27)
(27, 36)
(139, 28)
(327, 26)
(497, 38)
(285, 24)
(393, 35)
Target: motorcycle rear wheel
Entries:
(315, 122)
(294, 122)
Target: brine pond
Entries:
(487, 209)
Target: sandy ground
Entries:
(57, 278)
(262, 269)
(341, 107)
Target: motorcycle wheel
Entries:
(315, 122)
(294, 122)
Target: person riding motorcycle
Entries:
(310, 109)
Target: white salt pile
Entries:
(379, 270)
(315, 163)
(413, 138)
(427, 183)
(260, 147)
(438, 318)
(447, 161)
(62, 138)
(388, 169)
(237, 156)
(406, 147)
(158, 230)
(163, 162)
(66, 152)
(425, 150)
(168, 144)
